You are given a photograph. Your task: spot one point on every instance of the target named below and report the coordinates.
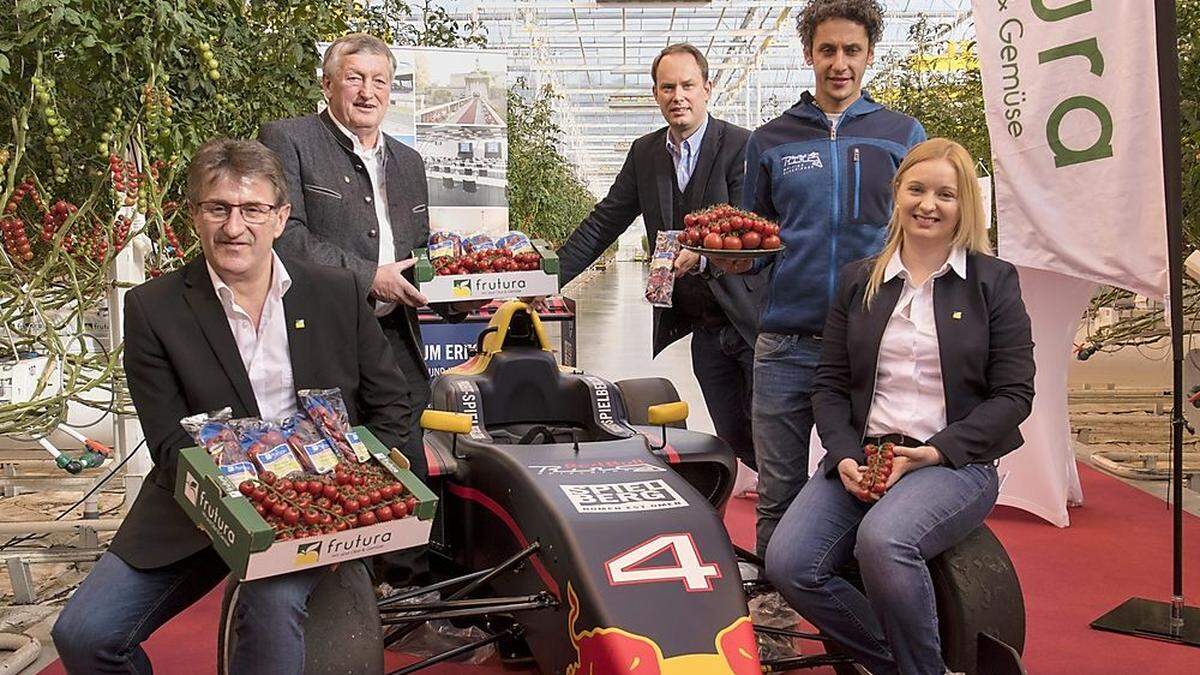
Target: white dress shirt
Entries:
(374, 160)
(264, 348)
(909, 395)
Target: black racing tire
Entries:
(343, 622)
(640, 393)
(977, 591)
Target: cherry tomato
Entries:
(771, 242)
(751, 239)
(732, 243)
(713, 240)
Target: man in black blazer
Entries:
(693, 162)
(242, 328)
(359, 198)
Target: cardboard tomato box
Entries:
(483, 286)
(247, 543)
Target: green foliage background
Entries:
(149, 81)
(546, 198)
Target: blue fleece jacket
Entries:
(831, 194)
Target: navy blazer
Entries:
(646, 186)
(986, 351)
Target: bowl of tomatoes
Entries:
(723, 231)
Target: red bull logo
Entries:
(612, 651)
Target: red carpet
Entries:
(1118, 546)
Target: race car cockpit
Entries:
(515, 391)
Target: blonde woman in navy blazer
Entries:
(926, 345)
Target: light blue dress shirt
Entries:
(687, 154)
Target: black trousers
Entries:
(398, 334)
(724, 365)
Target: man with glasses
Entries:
(360, 199)
(241, 328)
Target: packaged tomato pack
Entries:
(477, 243)
(212, 431)
(444, 243)
(312, 449)
(660, 287)
(327, 411)
(267, 446)
(516, 242)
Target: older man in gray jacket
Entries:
(359, 197)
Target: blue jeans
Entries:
(784, 366)
(724, 367)
(893, 628)
(118, 607)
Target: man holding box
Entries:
(693, 162)
(359, 198)
(241, 328)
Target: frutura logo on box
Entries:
(493, 283)
(220, 528)
(350, 545)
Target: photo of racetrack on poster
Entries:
(461, 123)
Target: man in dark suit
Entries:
(359, 198)
(241, 328)
(693, 162)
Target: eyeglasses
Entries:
(255, 213)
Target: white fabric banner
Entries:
(1040, 477)
(1071, 95)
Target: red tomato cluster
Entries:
(879, 468)
(483, 262)
(16, 241)
(728, 228)
(356, 495)
(54, 218)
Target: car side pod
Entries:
(704, 460)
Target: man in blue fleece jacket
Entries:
(823, 171)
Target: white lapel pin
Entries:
(955, 315)
(300, 323)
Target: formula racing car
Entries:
(581, 519)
